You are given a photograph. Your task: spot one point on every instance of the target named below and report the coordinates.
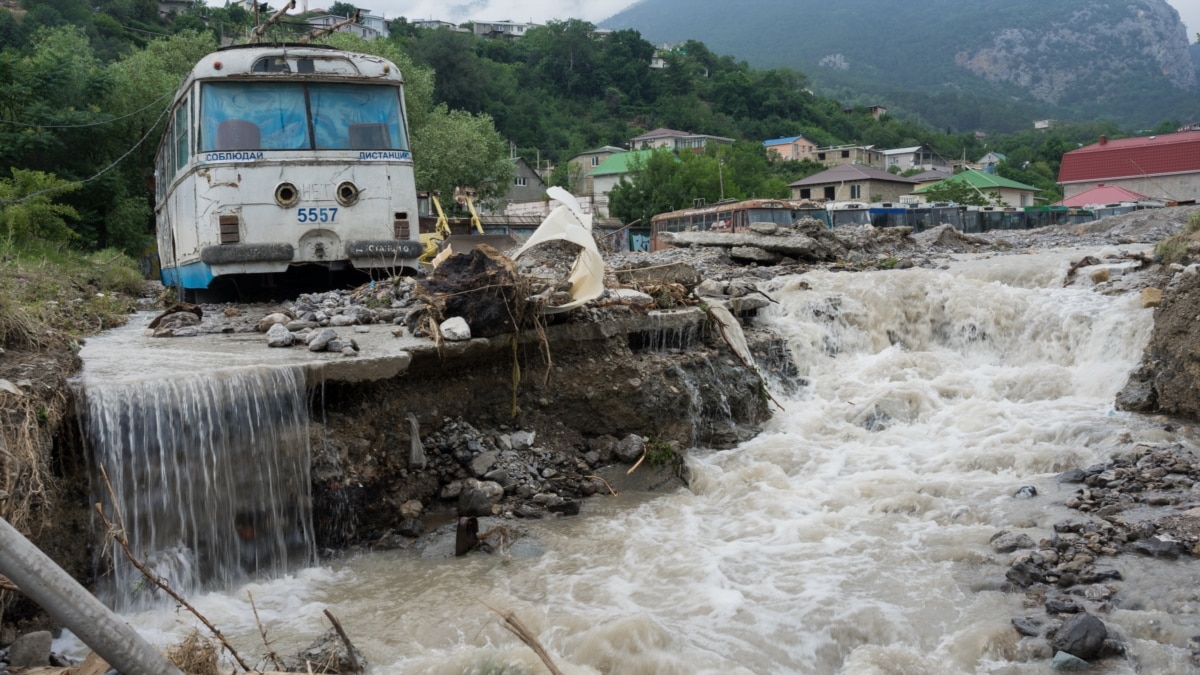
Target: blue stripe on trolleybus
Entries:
(192, 275)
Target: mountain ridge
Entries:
(1122, 60)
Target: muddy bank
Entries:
(535, 422)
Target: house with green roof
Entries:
(608, 173)
(1011, 192)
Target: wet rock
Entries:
(177, 324)
(630, 449)
(1024, 573)
(473, 502)
(180, 308)
(1027, 626)
(327, 654)
(1159, 547)
(410, 527)
(1025, 492)
(319, 340)
(1057, 606)
(31, 650)
(1072, 476)
(1067, 662)
(569, 507)
(1007, 542)
(279, 336)
(1082, 635)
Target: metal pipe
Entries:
(47, 584)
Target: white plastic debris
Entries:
(568, 222)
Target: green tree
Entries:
(342, 9)
(960, 192)
(28, 211)
(457, 149)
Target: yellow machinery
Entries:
(443, 232)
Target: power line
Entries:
(93, 124)
(99, 173)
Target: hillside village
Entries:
(1155, 170)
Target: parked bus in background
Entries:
(726, 216)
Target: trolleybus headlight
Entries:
(347, 193)
(286, 195)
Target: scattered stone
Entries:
(1151, 297)
(410, 527)
(279, 336)
(630, 449)
(455, 329)
(473, 502)
(411, 509)
(319, 340)
(31, 650)
(327, 654)
(1082, 635)
(274, 319)
(1007, 542)
(1068, 662)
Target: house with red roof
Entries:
(1101, 195)
(1164, 167)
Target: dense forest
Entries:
(84, 90)
(957, 64)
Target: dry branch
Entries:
(337, 626)
(118, 535)
(514, 626)
(263, 632)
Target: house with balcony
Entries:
(863, 155)
(1164, 167)
(677, 141)
(365, 30)
(916, 157)
(852, 182)
(495, 30)
(790, 148)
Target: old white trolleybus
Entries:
(284, 165)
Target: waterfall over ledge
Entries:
(209, 473)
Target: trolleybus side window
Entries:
(181, 135)
(253, 116)
(356, 117)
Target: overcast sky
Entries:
(1189, 11)
(541, 11)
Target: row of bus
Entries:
(736, 216)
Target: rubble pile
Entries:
(1064, 575)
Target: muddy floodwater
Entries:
(852, 536)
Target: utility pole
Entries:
(721, 176)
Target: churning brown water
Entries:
(850, 537)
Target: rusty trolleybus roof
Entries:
(291, 62)
(726, 206)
